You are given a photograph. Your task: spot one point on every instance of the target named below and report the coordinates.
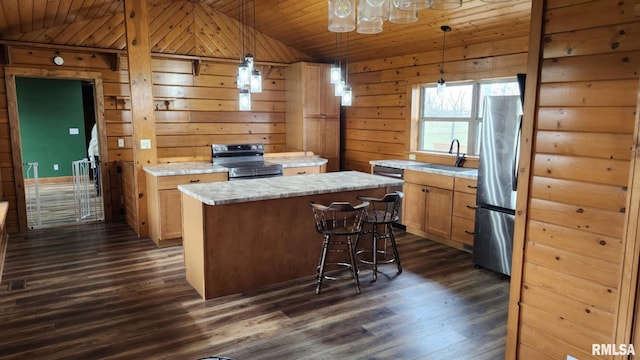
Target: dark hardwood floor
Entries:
(97, 291)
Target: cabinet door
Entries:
(314, 133)
(170, 214)
(331, 141)
(312, 88)
(438, 212)
(414, 206)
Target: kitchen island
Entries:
(242, 235)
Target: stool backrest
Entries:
(385, 209)
(339, 218)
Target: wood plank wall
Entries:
(376, 125)
(587, 95)
(194, 96)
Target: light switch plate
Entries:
(56, 167)
(145, 144)
(120, 142)
(74, 131)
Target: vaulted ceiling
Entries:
(301, 25)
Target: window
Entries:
(457, 113)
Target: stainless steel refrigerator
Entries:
(496, 195)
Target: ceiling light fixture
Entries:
(372, 13)
(347, 94)
(342, 15)
(441, 84)
(249, 79)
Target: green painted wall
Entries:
(47, 109)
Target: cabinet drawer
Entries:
(301, 170)
(172, 182)
(462, 230)
(424, 178)
(466, 185)
(464, 205)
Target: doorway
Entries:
(60, 151)
(59, 181)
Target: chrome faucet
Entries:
(459, 158)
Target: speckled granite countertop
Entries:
(188, 168)
(184, 168)
(229, 192)
(469, 173)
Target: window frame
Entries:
(474, 121)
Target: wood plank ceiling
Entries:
(302, 25)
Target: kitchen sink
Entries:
(446, 168)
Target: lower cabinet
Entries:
(440, 207)
(428, 204)
(164, 204)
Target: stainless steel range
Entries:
(244, 161)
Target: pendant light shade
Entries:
(400, 16)
(445, 4)
(243, 79)
(256, 81)
(244, 100)
(342, 15)
(336, 73)
(369, 12)
(347, 96)
(339, 88)
(369, 27)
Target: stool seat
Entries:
(382, 212)
(340, 224)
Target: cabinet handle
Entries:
(194, 180)
(301, 172)
(469, 232)
(472, 187)
(471, 207)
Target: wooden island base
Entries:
(237, 247)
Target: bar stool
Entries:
(381, 212)
(340, 224)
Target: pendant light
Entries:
(336, 68)
(347, 94)
(256, 77)
(244, 100)
(402, 16)
(342, 15)
(441, 84)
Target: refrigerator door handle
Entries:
(516, 154)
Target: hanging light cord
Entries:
(254, 30)
(240, 34)
(445, 29)
(346, 66)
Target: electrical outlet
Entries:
(120, 142)
(56, 167)
(145, 144)
(412, 156)
(74, 131)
